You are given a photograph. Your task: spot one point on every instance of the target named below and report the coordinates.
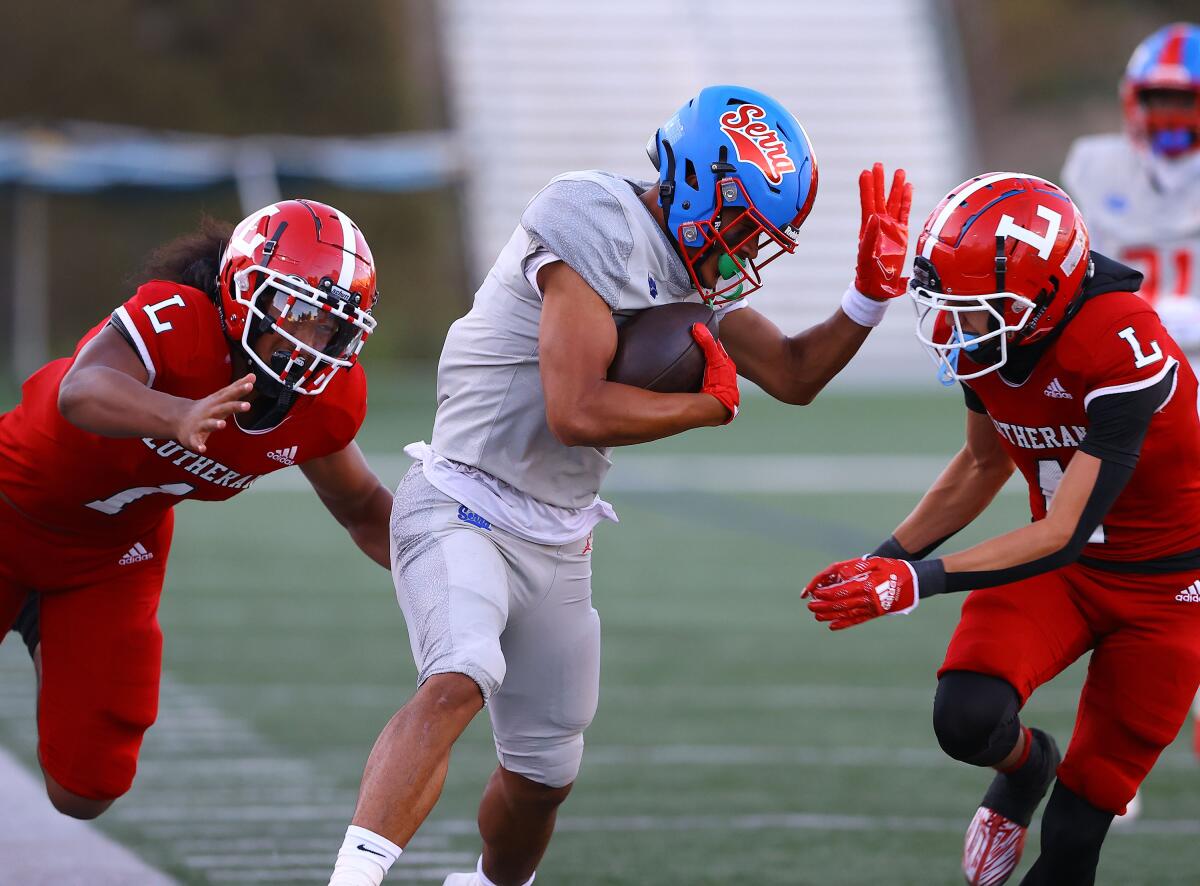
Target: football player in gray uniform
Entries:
(491, 528)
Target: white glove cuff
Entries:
(916, 591)
(862, 310)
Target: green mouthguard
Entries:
(728, 267)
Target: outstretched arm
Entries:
(854, 591)
(105, 391)
(796, 368)
(351, 492)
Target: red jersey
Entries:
(1114, 345)
(114, 489)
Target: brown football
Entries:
(656, 351)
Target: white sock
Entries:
(364, 859)
(484, 881)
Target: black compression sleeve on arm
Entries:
(1117, 423)
(893, 548)
(1117, 426)
(934, 579)
(974, 403)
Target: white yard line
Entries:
(722, 698)
(203, 775)
(792, 821)
(741, 473)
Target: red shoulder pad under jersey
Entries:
(1118, 344)
(176, 332)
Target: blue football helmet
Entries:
(737, 174)
(1160, 91)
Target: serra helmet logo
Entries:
(757, 143)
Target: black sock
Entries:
(1016, 794)
(1033, 774)
(28, 623)
(1073, 831)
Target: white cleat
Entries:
(992, 849)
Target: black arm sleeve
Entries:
(1117, 426)
(972, 400)
(1110, 481)
(892, 548)
(1117, 423)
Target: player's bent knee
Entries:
(452, 694)
(553, 763)
(975, 717)
(72, 804)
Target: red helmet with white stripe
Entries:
(1010, 245)
(303, 270)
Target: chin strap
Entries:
(276, 413)
(270, 388)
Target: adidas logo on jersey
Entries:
(1190, 594)
(1056, 390)
(284, 456)
(135, 554)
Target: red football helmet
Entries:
(303, 270)
(1010, 245)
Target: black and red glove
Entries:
(853, 591)
(882, 234)
(720, 375)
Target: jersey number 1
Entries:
(114, 504)
(1050, 474)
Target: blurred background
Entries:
(432, 124)
(736, 743)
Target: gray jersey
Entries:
(1144, 211)
(1131, 202)
(491, 410)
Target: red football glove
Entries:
(720, 375)
(854, 591)
(882, 235)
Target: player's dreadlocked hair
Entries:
(191, 259)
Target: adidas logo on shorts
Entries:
(135, 554)
(1190, 594)
(284, 456)
(1056, 390)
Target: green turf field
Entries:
(737, 742)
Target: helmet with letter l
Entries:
(1010, 245)
(303, 270)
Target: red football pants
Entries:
(1144, 634)
(101, 646)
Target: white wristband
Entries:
(862, 310)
